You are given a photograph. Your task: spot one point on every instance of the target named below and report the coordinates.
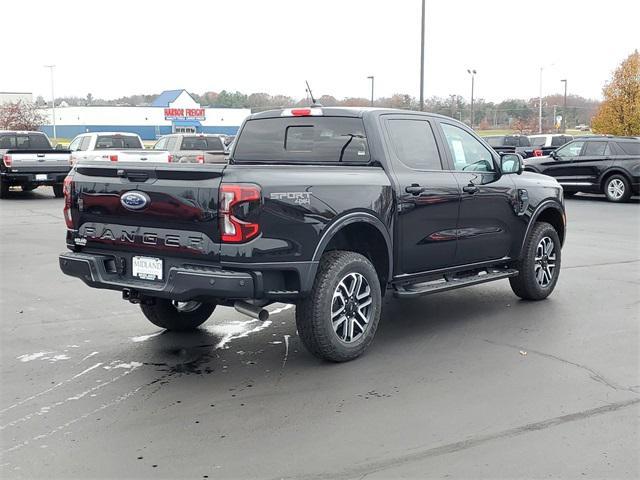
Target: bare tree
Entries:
(20, 116)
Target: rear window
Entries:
(303, 139)
(495, 141)
(560, 140)
(629, 148)
(25, 142)
(538, 141)
(201, 143)
(119, 142)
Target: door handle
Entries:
(414, 189)
(470, 189)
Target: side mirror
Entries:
(511, 163)
(553, 155)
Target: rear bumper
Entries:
(21, 178)
(184, 282)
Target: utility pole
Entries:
(53, 103)
(564, 109)
(372, 79)
(422, 58)
(540, 104)
(473, 78)
(554, 118)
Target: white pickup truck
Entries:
(114, 147)
(28, 160)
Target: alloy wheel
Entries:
(615, 188)
(545, 262)
(351, 307)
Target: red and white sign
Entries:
(184, 114)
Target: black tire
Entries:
(28, 187)
(527, 284)
(177, 316)
(58, 190)
(4, 189)
(617, 188)
(314, 313)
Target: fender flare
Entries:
(614, 170)
(545, 205)
(337, 225)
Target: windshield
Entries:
(119, 142)
(303, 139)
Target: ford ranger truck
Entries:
(328, 209)
(28, 160)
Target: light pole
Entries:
(554, 118)
(473, 79)
(540, 104)
(371, 77)
(422, 58)
(564, 108)
(53, 102)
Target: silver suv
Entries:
(194, 147)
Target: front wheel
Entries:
(177, 316)
(617, 188)
(539, 266)
(58, 190)
(338, 320)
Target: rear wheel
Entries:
(539, 267)
(178, 316)
(617, 188)
(58, 190)
(338, 320)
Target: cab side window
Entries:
(414, 144)
(75, 144)
(467, 152)
(160, 144)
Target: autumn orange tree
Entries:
(619, 113)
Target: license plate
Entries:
(147, 268)
(41, 176)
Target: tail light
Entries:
(232, 229)
(199, 158)
(113, 158)
(537, 153)
(7, 160)
(67, 190)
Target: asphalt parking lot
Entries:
(470, 383)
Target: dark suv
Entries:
(598, 164)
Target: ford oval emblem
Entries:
(134, 200)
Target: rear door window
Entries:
(629, 148)
(414, 144)
(594, 149)
(303, 139)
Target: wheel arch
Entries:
(549, 211)
(360, 232)
(613, 171)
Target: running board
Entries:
(451, 283)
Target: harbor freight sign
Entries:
(184, 114)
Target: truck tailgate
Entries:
(164, 210)
(38, 160)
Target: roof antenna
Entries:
(313, 100)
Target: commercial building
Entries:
(173, 111)
(13, 97)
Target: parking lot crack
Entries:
(593, 374)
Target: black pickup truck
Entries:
(28, 160)
(324, 208)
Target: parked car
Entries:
(511, 144)
(193, 148)
(325, 208)
(583, 128)
(594, 164)
(28, 160)
(114, 147)
(545, 144)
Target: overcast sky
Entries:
(114, 48)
